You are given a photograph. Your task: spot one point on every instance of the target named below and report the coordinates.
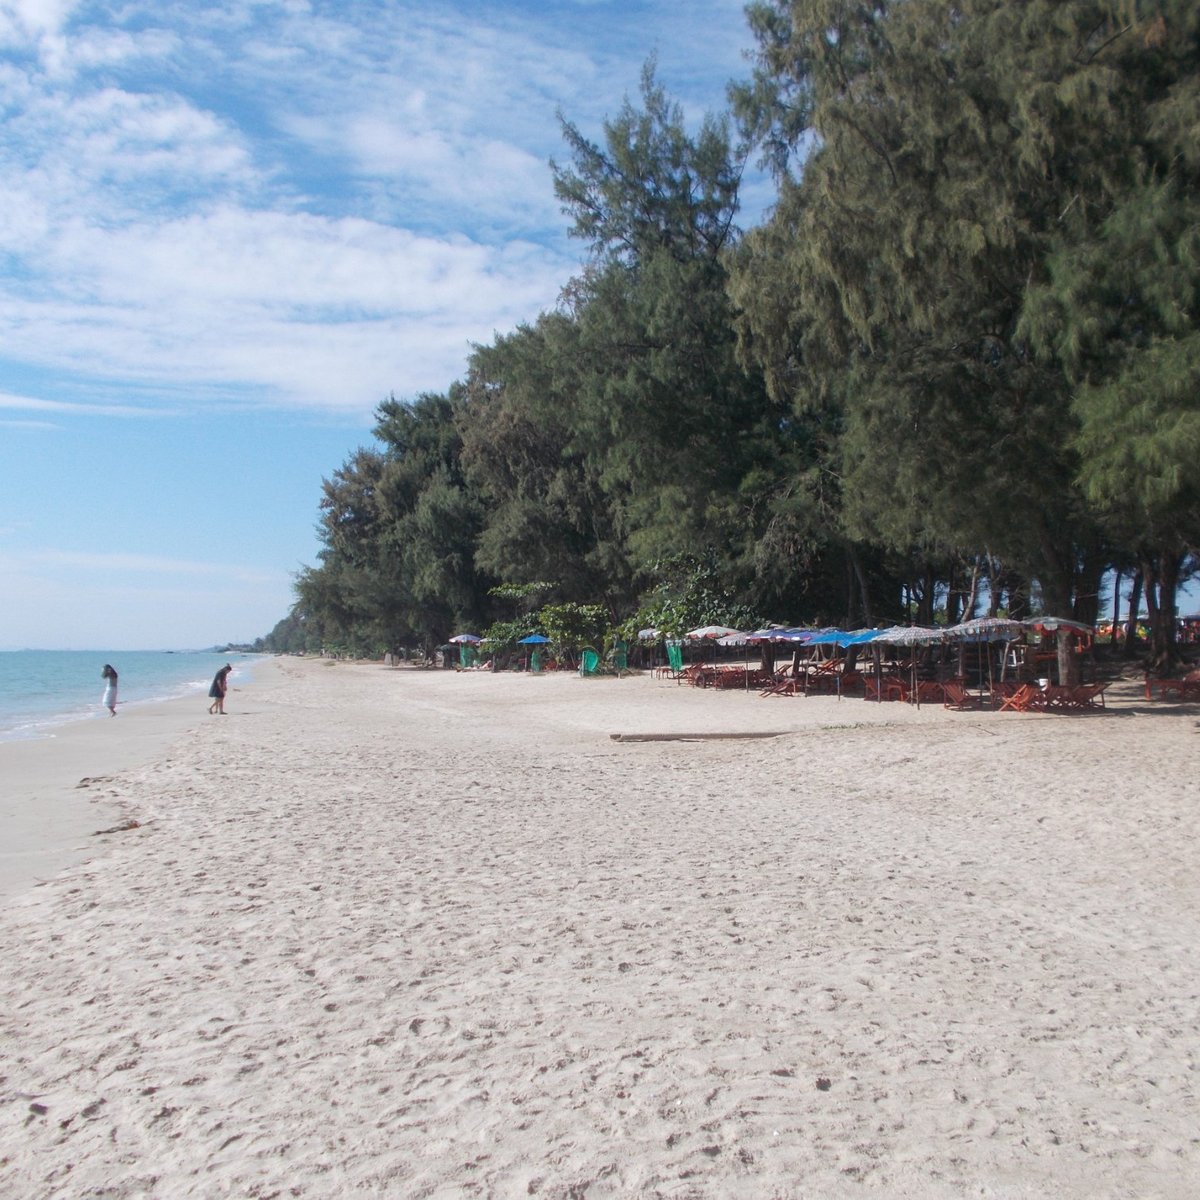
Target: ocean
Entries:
(42, 689)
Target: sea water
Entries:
(42, 689)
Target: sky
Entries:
(229, 231)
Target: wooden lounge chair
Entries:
(1085, 696)
(1027, 698)
(781, 683)
(1187, 688)
(956, 696)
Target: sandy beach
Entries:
(59, 789)
(426, 934)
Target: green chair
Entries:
(589, 663)
(620, 657)
(535, 661)
(675, 657)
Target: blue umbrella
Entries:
(534, 639)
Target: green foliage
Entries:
(951, 152)
(688, 594)
(651, 187)
(501, 637)
(1139, 440)
(966, 334)
(572, 626)
(521, 593)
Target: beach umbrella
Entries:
(710, 633)
(1054, 624)
(913, 635)
(1061, 625)
(534, 639)
(825, 637)
(649, 635)
(761, 635)
(987, 629)
(466, 639)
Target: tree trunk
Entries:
(1016, 592)
(1135, 603)
(1068, 660)
(1116, 616)
(848, 619)
(994, 585)
(1150, 588)
(1057, 580)
(973, 595)
(766, 660)
(1087, 586)
(1162, 585)
(863, 591)
(925, 604)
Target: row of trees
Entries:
(957, 365)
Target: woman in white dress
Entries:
(110, 689)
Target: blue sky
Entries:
(228, 231)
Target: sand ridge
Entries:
(433, 934)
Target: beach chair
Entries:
(1187, 688)
(675, 659)
(1085, 696)
(1027, 698)
(620, 658)
(850, 681)
(589, 663)
(781, 683)
(956, 696)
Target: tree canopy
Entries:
(959, 357)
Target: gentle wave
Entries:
(41, 690)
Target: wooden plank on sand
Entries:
(693, 737)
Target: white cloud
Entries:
(297, 207)
(320, 312)
(64, 407)
(115, 563)
(22, 20)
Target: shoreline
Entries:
(58, 789)
(427, 933)
(74, 704)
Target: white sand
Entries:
(404, 933)
(58, 790)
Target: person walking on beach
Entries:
(109, 700)
(220, 685)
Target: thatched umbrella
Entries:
(988, 629)
(912, 635)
